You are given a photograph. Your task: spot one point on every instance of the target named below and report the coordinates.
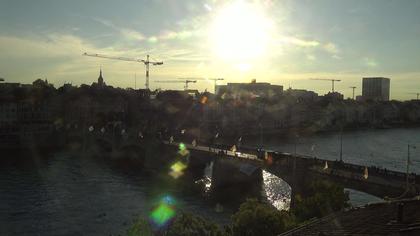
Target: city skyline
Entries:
(280, 42)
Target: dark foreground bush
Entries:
(323, 198)
(184, 224)
(255, 218)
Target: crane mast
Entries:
(332, 82)
(178, 81)
(146, 62)
(214, 79)
(418, 94)
(353, 88)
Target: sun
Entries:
(240, 32)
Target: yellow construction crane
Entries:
(353, 88)
(146, 62)
(332, 81)
(187, 81)
(416, 94)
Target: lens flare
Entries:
(177, 170)
(178, 166)
(183, 151)
(164, 212)
(204, 100)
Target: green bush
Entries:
(140, 227)
(323, 198)
(186, 224)
(256, 218)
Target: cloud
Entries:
(49, 46)
(310, 57)
(132, 34)
(300, 42)
(127, 33)
(337, 57)
(370, 62)
(331, 48)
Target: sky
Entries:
(286, 42)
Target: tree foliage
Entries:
(191, 225)
(256, 218)
(184, 224)
(323, 198)
(140, 227)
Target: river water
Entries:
(69, 194)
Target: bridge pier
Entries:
(233, 179)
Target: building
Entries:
(252, 89)
(376, 88)
(334, 96)
(301, 94)
(385, 218)
(101, 82)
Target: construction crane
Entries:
(353, 88)
(214, 79)
(146, 62)
(187, 81)
(332, 81)
(215, 82)
(416, 94)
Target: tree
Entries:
(140, 227)
(256, 218)
(323, 198)
(187, 224)
(184, 224)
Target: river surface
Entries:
(70, 194)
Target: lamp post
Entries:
(261, 135)
(341, 145)
(408, 163)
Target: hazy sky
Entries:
(283, 42)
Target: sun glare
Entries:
(240, 32)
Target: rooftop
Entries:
(373, 219)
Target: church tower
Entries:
(101, 79)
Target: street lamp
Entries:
(341, 145)
(408, 162)
(261, 135)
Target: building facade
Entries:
(376, 88)
(252, 89)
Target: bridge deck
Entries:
(225, 152)
(336, 170)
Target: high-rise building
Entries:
(376, 88)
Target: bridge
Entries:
(298, 170)
(232, 167)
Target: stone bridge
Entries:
(232, 168)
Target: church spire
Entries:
(100, 79)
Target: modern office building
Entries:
(376, 88)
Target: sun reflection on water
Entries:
(277, 191)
